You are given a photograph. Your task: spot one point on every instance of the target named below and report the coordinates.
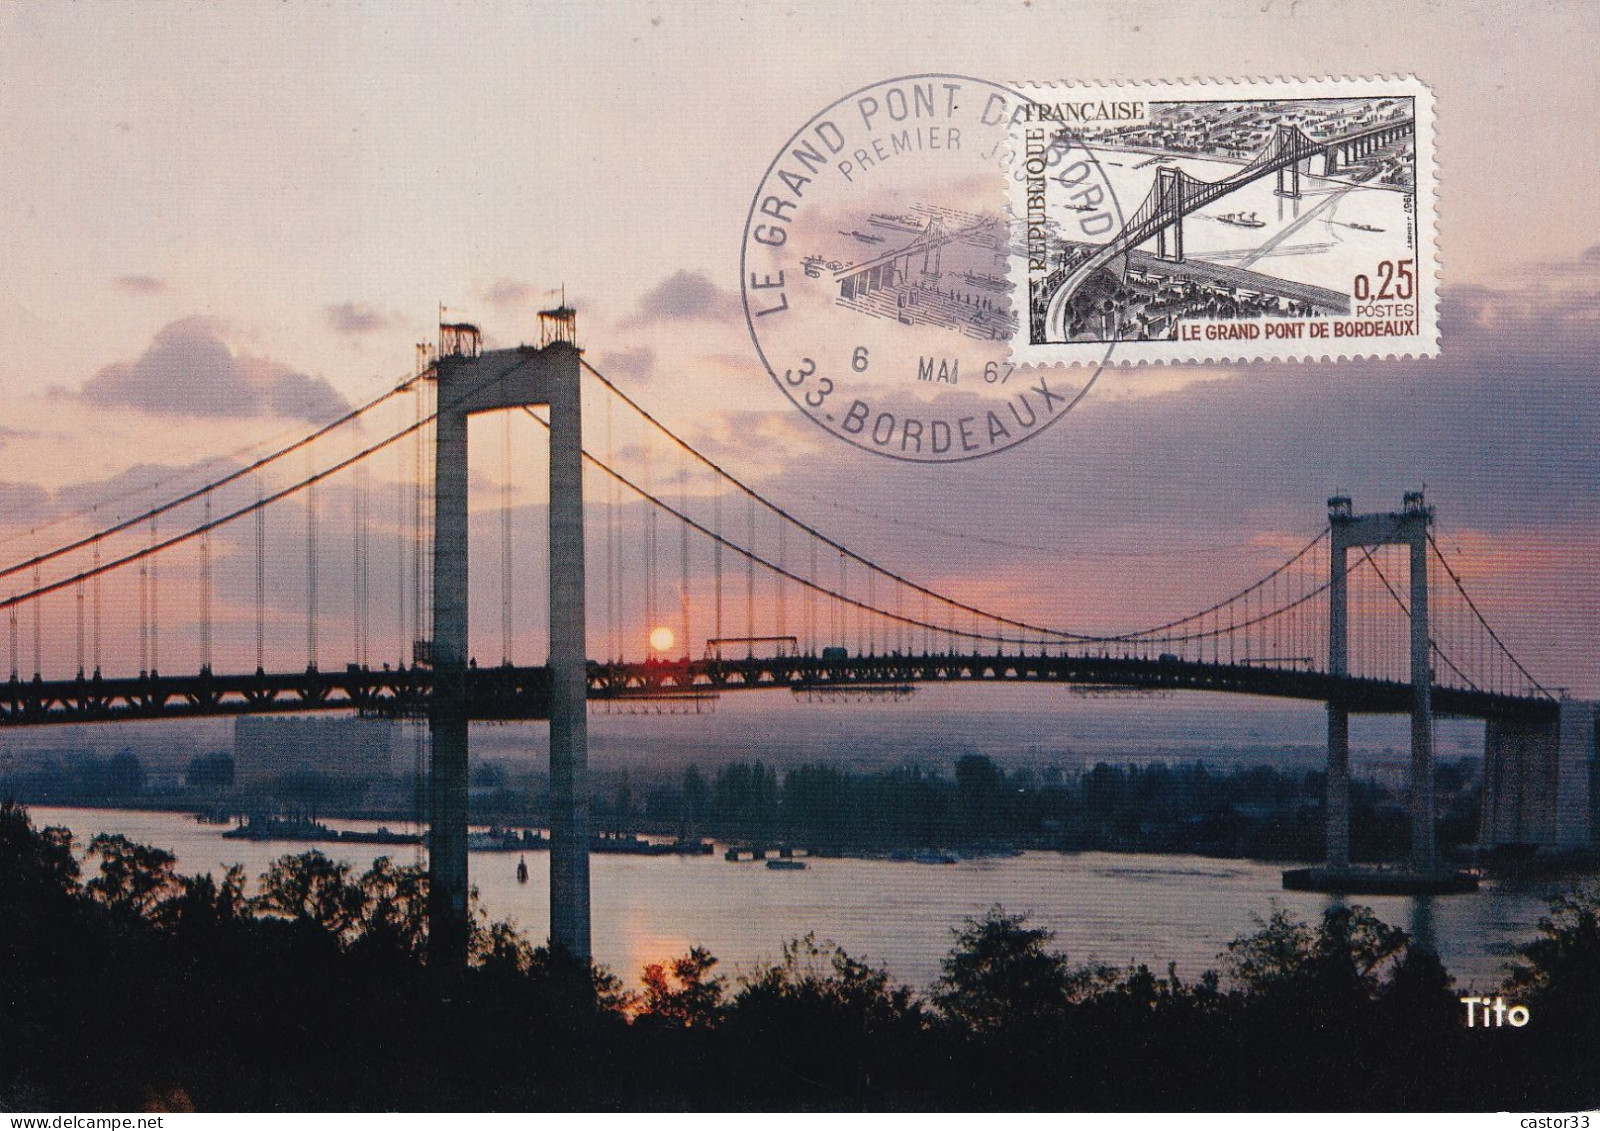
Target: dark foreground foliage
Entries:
(140, 988)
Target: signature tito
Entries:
(1494, 1013)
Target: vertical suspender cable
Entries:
(683, 549)
(716, 557)
(419, 630)
(1388, 627)
(80, 599)
(402, 494)
(1387, 616)
(205, 589)
(38, 647)
(77, 608)
(1254, 627)
(1377, 662)
(622, 592)
(261, 580)
(95, 601)
(750, 575)
(840, 612)
(1277, 623)
(1403, 626)
(311, 573)
(783, 582)
(651, 519)
(505, 539)
(365, 477)
(611, 541)
(1293, 585)
(811, 598)
(144, 616)
(872, 620)
(1353, 616)
(155, 605)
(358, 565)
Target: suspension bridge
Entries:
(1176, 194)
(1369, 615)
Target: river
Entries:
(1104, 907)
(1333, 225)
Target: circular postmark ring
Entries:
(908, 358)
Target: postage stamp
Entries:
(1227, 221)
(876, 269)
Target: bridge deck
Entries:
(507, 693)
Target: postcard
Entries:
(719, 558)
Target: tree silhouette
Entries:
(142, 987)
(683, 992)
(309, 888)
(1560, 969)
(35, 862)
(1001, 973)
(133, 877)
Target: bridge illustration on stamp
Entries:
(1268, 227)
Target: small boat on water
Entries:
(522, 870)
(259, 827)
(1242, 220)
(783, 865)
(506, 840)
(1364, 227)
(384, 835)
(264, 828)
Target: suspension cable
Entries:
(1487, 627)
(157, 545)
(199, 492)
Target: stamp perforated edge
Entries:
(1425, 343)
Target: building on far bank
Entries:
(271, 749)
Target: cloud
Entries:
(1501, 429)
(356, 318)
(141, 284)
(133, 488)
(510, 292)
(190, 370)
(22, 504)
(635, 365)
(686, 296)
(299, 396)
(1534, 279)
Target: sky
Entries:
(229, 222)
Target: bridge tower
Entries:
(1291, 139)
(472, 381)
(932, 239)
(1169, 198)
(1289, 180)
(1407, 527)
